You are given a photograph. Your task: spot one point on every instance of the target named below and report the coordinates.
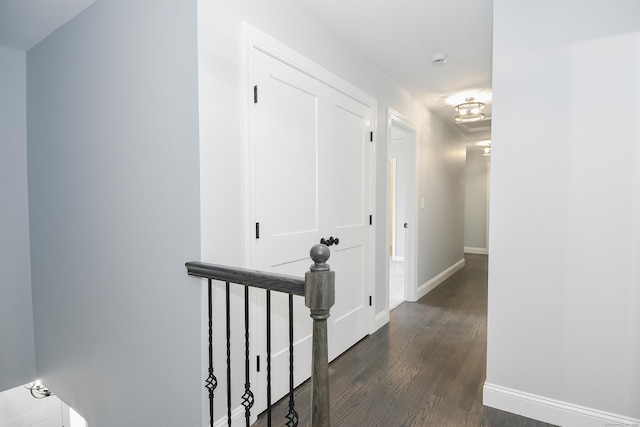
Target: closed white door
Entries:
(310, 163)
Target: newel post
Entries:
(320, 295)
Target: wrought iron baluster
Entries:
(211, 382)
(292, 416)
(318, 288)
(228, 356)
(268, 358)
(247, 397)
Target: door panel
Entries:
(345, 175)
(347, 179)
(310, 153)
(285, 151)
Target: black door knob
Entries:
(330, 241)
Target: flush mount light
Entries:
(469, 111)
(38, 390)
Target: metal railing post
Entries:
(320, 296)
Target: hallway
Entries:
(425, 368)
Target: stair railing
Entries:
(318, 288)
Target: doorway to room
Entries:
(402, 218)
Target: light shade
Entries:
(469, 111)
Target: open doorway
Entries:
(398, 220)
(402, 218)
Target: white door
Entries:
(310, 151)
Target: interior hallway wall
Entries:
(113, 172)
(17, 357)
(564, 276)
(441, 178)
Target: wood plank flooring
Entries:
(425, 368)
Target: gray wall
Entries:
(475, 201)
(114, 212)
(17, 357)
(564, 276)
(441, 178)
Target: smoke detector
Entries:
(438, 59)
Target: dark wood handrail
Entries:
(260, 279)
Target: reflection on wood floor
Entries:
(425, 368)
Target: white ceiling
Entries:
(24, 23)
(398, 35)
(401, 35)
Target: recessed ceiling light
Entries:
(438, 59)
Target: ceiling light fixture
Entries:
(469, 111)
(38, 390)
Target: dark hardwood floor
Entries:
(425, 368)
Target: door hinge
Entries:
(257, 230)
(371, 136)
(258, 363)
(370, 300)
(255, 94)
(370, 219)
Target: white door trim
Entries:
(397, 119)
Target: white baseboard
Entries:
(380, 320)
(237, 419)
(480, 251)
(550, 410)
(433, 283)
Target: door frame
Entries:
(254, 39)
(398, 120)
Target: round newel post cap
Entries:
(320, 254)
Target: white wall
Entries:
(17, 358)
(221, 133)
(475, 201)
(564, 276)
(114, 212)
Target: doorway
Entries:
(402, 215)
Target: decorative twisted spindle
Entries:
(212, 382)
(228, 326)
(320, 294)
